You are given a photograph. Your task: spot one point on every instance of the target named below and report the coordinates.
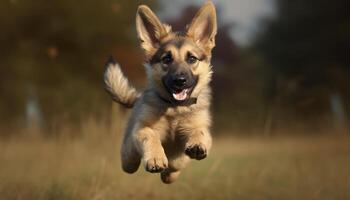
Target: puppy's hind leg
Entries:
(130, 158)
(169, 176)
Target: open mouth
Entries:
(180, 94)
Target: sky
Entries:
(245, 14)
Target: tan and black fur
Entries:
(170, 120)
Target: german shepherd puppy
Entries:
(170, 120)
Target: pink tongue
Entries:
(181, 95)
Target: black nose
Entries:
(180, 81)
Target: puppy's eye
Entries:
(191, 59)
(167, 59)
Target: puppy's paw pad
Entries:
(196, 151)
(156, 165)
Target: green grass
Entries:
(87, 167)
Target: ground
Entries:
(87, 167)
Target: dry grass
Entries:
(87, 167)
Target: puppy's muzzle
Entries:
(180, 86)
(179, 82)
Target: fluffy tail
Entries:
(118, 86)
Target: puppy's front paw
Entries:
(156, 164)
(196, 151)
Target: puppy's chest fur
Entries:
(169, 121)
(174, 138)
(173, 124)
(174, 118)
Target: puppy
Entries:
(170, 120)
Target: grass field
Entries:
(87, 167)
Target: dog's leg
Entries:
(198, 144)
(169, 176)
(129, 156)
(149, 145)
(199, 140)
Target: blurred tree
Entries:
(56, 50)
(306, 50)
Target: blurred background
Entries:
(281, 99)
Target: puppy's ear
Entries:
(203, 27)
(149, 29)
